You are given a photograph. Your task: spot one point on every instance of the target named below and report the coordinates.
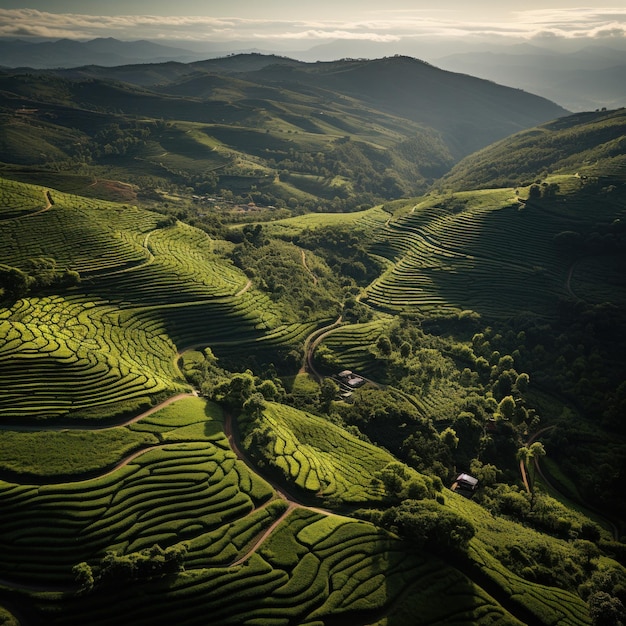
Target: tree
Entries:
(587, 549)
(427, 524)
(268, 389)
(329, 390)
(255, 404)
(14, 283)
(236, 391)
(393, 477)
(449, 438)
(606, 610)
(384, 345)
(529, 455)
(507, 407)
(83, 575)
(522, 382)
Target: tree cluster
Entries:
(426, 525)
(117, 569)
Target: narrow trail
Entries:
(279, 489)
(97, 474)
(49, 204)
(148, 261)
(90, 426)
(244, 288)
(568, 282)
(306, 267)
(311, 343)
(258, 541)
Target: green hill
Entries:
(468, 112)
(591, 144)
(267, 129)
(175, 409)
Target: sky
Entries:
(274, 24)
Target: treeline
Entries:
(115, 570)
(37, 275)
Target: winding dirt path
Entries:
(311, 343)
(149, 260)
(258, 541)
(568, 282)
(307, 268)
(244, 288)
(97, 426)
(49, 204)
(550, 484)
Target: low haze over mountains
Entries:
(578, 77)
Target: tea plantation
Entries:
(159, 464)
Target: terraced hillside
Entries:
(109, 335)
(496, 252)
(485, 333)
(186, 491)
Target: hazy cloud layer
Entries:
(381, 27)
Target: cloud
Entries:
(332, 34)
(381, 26)
(574, 23)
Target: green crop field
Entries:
(176, 443)
(474, 251)
(318, 457)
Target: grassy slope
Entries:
(589, 143)
(161, 496)
(264, 116)
(121, 513)
(110, 338)
(317, 457)
(492, 252)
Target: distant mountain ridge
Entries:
(586, 79)
(102, 51)
(336, 134)
(469, 112)
(582, 77)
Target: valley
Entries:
(193, 253)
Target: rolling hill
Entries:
(590, 144)
(266, 129)
(173, 428)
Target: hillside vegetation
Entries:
(267, 130)
(205, 397)
(589, 144)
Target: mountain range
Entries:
(386, 127)
(577, 76)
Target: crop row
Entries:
(59, 355)
(600, 279)
(17, 199)
(311, 569)
(320, 458)
(169, 493)
(470, 259)
(230, 319)
(182, 268)
(81, 234)
(353, 343)
(547, 605)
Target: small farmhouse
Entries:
(465, 484)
